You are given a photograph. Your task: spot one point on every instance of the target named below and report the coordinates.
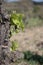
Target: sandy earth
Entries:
(30, 39)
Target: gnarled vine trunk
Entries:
(4, 38)
(4, 43)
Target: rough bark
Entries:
(4, 42)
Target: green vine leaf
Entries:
(14, 46)
(16, 20)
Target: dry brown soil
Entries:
(30, 39)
